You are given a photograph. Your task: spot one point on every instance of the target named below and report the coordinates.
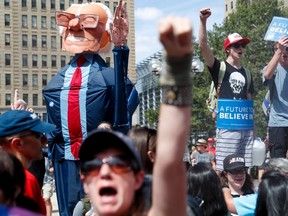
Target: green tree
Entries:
(152, 116)
(251, 20)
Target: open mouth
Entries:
(108, 191)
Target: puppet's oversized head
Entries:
(85, 27)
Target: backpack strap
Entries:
(248, 76)
(222, 71)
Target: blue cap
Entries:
(99, 140)
(15, 121)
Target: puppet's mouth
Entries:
(73, 38)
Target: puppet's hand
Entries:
(176, 36)
(119, 27)
(18, 104)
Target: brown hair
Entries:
(145, 139)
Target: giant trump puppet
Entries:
(86, 91)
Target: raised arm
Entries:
(169, 178)
(203, 40)
(18, 103)
(120, 26)
(271, 67)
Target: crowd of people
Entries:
(107, 172)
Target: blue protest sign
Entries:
(235, 114)
(277, 28)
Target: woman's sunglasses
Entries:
(117, 164)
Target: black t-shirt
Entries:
(234, 84)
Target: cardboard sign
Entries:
(235, 114)
(277, 28)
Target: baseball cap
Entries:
(233, 161)
(234, 38)
(201, 142)
(99, 140)
(15, 121)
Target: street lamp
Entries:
(197, 66)
(155, 66)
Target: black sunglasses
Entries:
(238, 45)
(118, 164)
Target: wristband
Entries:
(177, 95)
(177, 71)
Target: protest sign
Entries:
(235, 114)
(277, 28)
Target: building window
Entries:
(53, 61)
(7, 79)
(33, 4)
(24, 21)
(24, 40)
(34, 60)
(226, 7)
(34, 40)
(43, 22)
(24, 3)
(80, 1)
(232, 5)
(35, 99)
(8, 99)
(63, 61)
(34, 21)
(52, 4)
(25, 81)
(6, 3)
(44, 41)
(107, 3)
(25, 98)
(53, 23)
(44, 60)
(62, 4)
(53, 42)
(7, 59)
(34, 79)
(71, 2)
(7, 40)
(44, 79)
(115, 6)
(43, 4)
(24, 60)
(7, 19)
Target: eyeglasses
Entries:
(238, 45)
(32, 133)
(85, 20)
(237, 171)
(35, 134)
(118, 164)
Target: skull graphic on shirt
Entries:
(237, 82)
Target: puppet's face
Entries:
(83, 28)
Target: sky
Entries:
(149, 12)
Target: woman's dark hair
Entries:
(248, 186)
(204, 183)
(145, 140)
(272, 195)
(12, 176)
